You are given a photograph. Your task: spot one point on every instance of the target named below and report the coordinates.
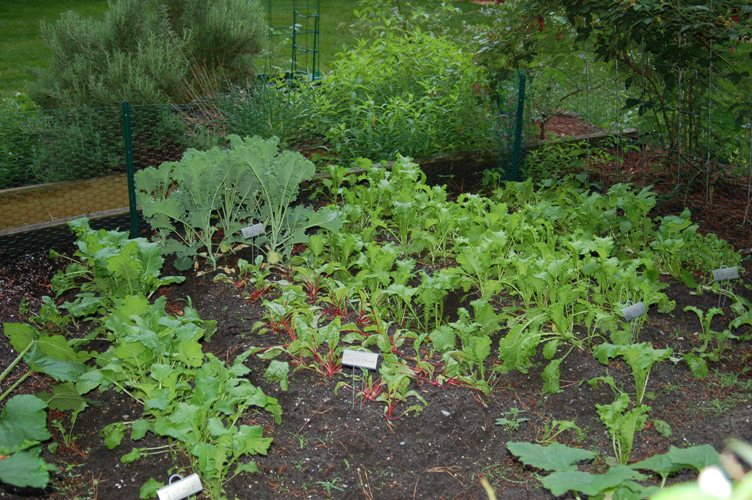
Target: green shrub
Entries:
(147, 51)
(77, 144)
(18, 140)
(268, 110)
(413, 94)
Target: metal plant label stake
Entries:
(631, 314)
(252, 231)
(365, 360)
(721, 275)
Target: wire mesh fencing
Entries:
(60, 164)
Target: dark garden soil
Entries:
(330, 446)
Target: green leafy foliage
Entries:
(390, 95)
(199, 205)
(187, 395)
(708, 335)
(677, 459)
(17, 139)
(554, 457)
(108, 266)
(546, 271)
(42, 353)
(682, 251)
(559, 483)
(562, 462)
(512, 419)
(23, 426)
(622, 422)
(154, 51)
(639, 357)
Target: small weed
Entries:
(730, 380)
(511, 420)
(719, 406)
(329, 486)
(557, 427)
(301, 440)
(495, 473)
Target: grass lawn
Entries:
(23, 49)
(21, 45)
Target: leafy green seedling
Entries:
(639, 357)
(512, 420)
(706, 318)
(622, 424)
(552, 430)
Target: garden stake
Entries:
(724, 275)
(632, 314)
(180, 487)
(365, 360)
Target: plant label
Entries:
(360, 359)
(252, 231)
(183, 488)
(633, 312)
(726, 273)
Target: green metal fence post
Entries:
(514, 164)
(129, 168)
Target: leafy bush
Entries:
(150, 51)
(413, 94)
(76, 144)
(18, 139)
(272, 109)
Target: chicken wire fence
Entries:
(60, 164)
(698, 128)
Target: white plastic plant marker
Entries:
(252, 231)
(360, 359)
(365, 360)
(726, 273)
(633, 312)
(182, 488)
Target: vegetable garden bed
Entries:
(497, 318)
